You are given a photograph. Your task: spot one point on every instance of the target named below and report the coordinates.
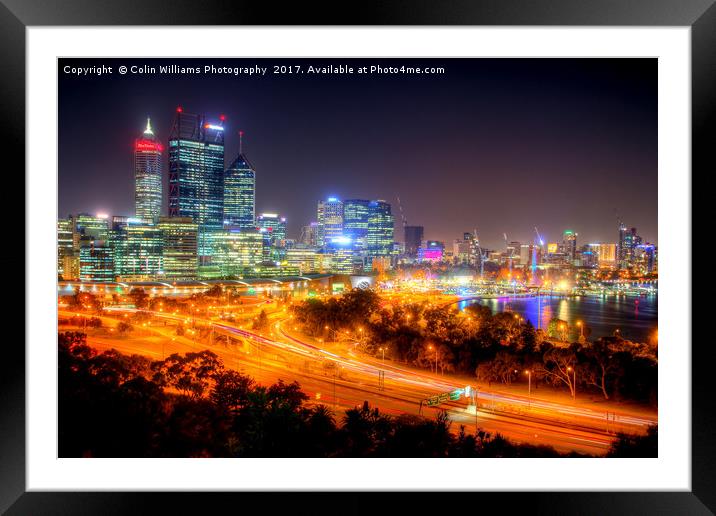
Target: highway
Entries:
(344, 379)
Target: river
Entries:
(634, 316)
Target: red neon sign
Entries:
(145, 145)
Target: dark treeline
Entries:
(116, 405)
(498, 348)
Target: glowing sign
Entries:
(271, 215)
(146, 145)
(214, 127)
(333, 199)
(551, 248)
(102, 216)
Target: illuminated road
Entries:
(345, 380)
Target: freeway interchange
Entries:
(341, 378)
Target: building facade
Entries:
(148, 176)
(180, 236)
(240, 193)
(330, 220)
(196, 174)
(381, 229)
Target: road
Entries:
(343, 380)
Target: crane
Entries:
(480, 255)
(402, 215)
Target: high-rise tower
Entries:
(240, 191)
(196, 173)
(330, 220)
(147, 176)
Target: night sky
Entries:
(501, 145)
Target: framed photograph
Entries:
(418, 249)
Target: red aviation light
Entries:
(179, 109)
(146, 145)
(222, 117)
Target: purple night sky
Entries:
(501, 145)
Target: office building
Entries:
(381, 228)
(330, 220)
(356, 219)
(240, 193)
(147, 176)
(196, 174)
(413, 240)
(180, 237)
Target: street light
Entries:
(581, 328)
(383, 351)
(430, 348)
(529, 388)
(574, 381)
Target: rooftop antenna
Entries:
(241, 142)
(148, 130)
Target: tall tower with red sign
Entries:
(148, 176)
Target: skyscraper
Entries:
(381, 227)
(196, 174)
(275, 227)
(65, 244)
(240, 192)
(330, 220)
(147, 176)
(180, 235)
(356, 215)
(309, 235)
(413, 240)
(569, 244)
(628, 240)
(137, 251)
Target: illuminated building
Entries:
(65, 244)
(356, 218)
(606, 254)
(342, 257)
(413, 239)
(462, 251)
(275, 227)
(96, 261)
(309, 235)
(569, 244)
(645, 258)
(147, 176)
(180, 241)
(92, 227)
(138, 251)
(196, 172)
(432, 252)
(71, 267)
(330, 220)
(237, 252)
(381, 228)
(240, 193)
(304, 258)
(628, 241)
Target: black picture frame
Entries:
(17, 15)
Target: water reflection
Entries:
(635, 318)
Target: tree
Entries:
(230, 390)
(261, 322)
(601, 363)
(558, 365)
(139, 297)
(191, 374)
(633, 446)
(124, 327)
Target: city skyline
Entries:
(595, 221)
